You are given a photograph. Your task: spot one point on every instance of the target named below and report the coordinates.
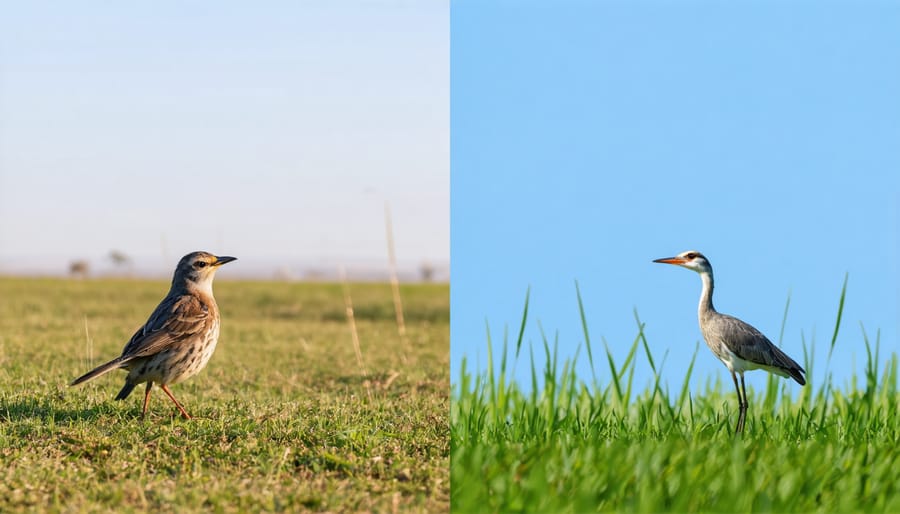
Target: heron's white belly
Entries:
(733, 362)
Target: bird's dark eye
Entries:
(690, 255)
(200, 264)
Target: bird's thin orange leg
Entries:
(184, 413)
(146, 399)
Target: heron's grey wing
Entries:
(750, 344)
(176, 319)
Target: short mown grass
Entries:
(285, 419)
(563, 444)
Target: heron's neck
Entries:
(706, 304)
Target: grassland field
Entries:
(567, 444)
(286, 418)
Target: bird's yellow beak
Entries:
(223, 260)
(672, 260)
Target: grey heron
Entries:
(737, 344)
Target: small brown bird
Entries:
(180, 336)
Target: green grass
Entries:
(284, 419)
(564, 445)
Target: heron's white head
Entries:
(691, 259)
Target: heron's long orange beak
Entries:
(672, 260)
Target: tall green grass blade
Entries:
(613, 371)
(524, 319)
(685, 386)
(492, 389)
(643, 339)
(534, 380)
(787, 305)
(837, 324)
(587, 336)
(628, 367)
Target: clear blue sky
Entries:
(264, 131)
(589, 138)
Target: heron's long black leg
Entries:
(739, 427)
(745, 404)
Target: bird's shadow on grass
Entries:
(44, 410)
(50, 408)
(11, 411)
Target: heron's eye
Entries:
(691, 255)
(200, 264)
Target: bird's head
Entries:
(197, 269)
(691, 259)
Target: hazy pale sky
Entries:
(265, 131)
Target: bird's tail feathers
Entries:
(797, 374)
(99, 370)
(125, 391)
(788, 366)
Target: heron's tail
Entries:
(796, 372)
(786, 365)
(99, 370)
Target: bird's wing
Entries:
(176, 319)
(750, 344)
